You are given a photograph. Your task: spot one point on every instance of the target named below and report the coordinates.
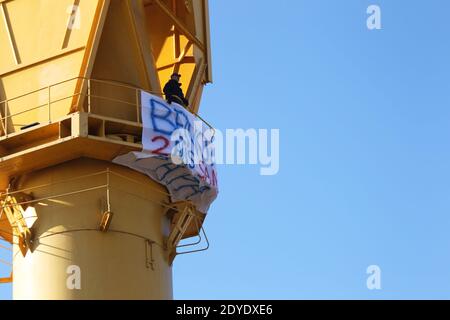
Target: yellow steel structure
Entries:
(71, 74)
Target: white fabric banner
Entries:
(178, 152)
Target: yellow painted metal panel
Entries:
(52, 49)
(44, 37)
(7, 60)
(39, 76)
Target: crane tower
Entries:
(72, 78)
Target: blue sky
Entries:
(364, 163)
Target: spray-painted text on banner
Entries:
(178, 152)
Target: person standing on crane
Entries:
(173, 91)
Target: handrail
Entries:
(112, 82)
(107, 173)
(120, 84)
(40, 106)
(89, 95)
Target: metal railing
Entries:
(6, 119)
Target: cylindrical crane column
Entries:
(72, 258)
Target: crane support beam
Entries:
(180, 25)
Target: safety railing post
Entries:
(49, 102)
(5, 114)
(89, 94)
(108, 190)
(138, 120)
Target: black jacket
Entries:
(174, 93)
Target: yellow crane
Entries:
(71, 74)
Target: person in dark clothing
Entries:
(173, 91)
